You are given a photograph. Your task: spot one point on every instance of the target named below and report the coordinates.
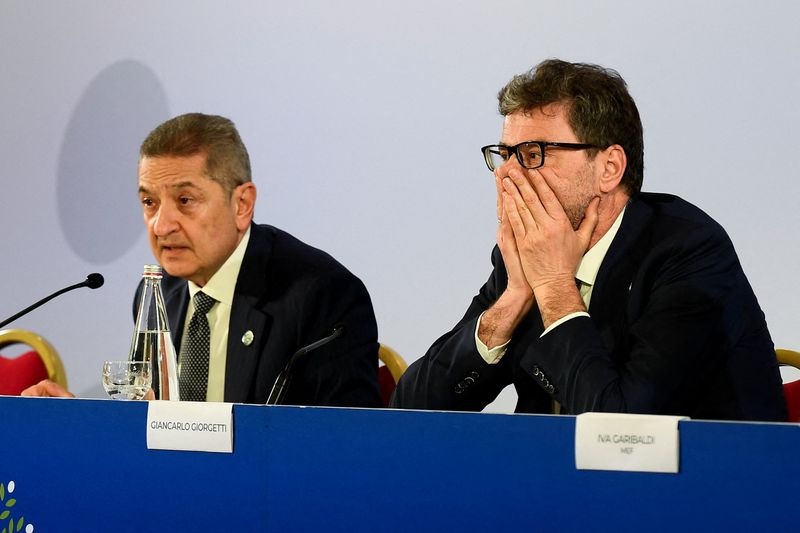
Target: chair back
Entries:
(389, 373)
(791, 390)
(41, 362)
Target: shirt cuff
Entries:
(561, 320)
(494, 355)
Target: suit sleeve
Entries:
(452, 375)
(344, 372)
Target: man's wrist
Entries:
(498, 323)
(558, 299)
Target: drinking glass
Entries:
(127, 380)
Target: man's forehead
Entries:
(195, 163)
(547, 121)
(146, 185)
(173, 172)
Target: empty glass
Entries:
(127, 380)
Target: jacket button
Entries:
(468, 381)
(474, 375)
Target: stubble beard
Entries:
(576, 213)
(576, 209)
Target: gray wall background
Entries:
(363, 121)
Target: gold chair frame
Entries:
(393, 361)
(788, 357)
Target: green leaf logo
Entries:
(6, 504)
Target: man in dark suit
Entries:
(602, 298)
(262, 293)
(272, 293)
(289, 295)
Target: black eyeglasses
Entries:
(530, 154)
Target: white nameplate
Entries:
(190, 426)
(633, 443)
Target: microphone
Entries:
(284, 379)
(93, 281)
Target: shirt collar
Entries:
(223, 282)
(593, 258)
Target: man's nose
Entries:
(508, 164)
(165, 221)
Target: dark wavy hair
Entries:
(599, 108)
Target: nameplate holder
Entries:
(631, 443)
(190, 426)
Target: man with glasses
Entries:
(602, 298)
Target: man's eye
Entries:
(185, 200)
(502, 154)
(147, 202)
(531, 157)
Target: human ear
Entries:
(244, 202)
(613, 163)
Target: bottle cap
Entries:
(152, 271)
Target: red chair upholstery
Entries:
(792, 393)
(791, 390)
(19, 373)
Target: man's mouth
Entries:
(171, 248)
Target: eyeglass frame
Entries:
(542, 145)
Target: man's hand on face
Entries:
(499, 321)
(549, 248)
(47, 388)
(517, 283)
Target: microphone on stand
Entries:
(93, 281)
(284, 379)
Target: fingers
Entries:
(528, 203)
(545, 196)
(499, 185)
(505, 239)
(517, 283)
(47, 388)
(588, 224)
(513, 217)
(539, 197)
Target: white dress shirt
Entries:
(220, 287)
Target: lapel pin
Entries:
(247, 338)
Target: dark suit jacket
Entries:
(290, 295)
(674, 329)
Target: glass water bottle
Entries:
(151, 338)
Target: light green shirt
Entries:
(220, 287)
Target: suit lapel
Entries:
(248, 314)
(176, 299)
(615, 277)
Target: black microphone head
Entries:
(94, 280)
